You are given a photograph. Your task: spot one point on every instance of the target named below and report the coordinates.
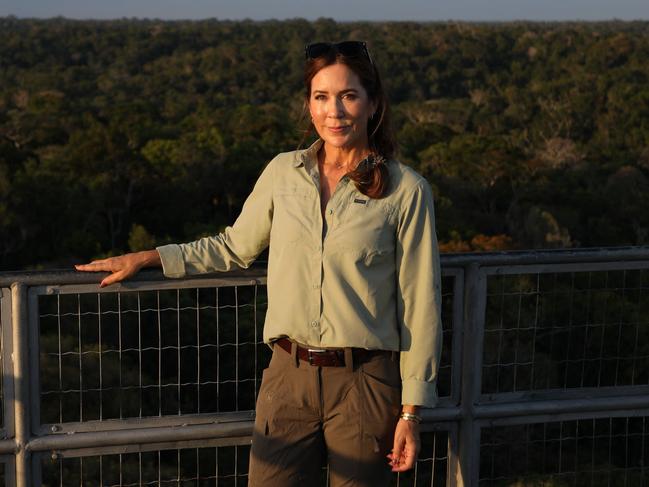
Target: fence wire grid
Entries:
(156, 353)
(150, 353)
(600, 452)
(222, 466)
(212, 466)
(566, 330)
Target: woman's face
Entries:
(340, 107)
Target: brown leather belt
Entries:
(328, 357)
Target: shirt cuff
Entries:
(419, 393)
(173, 264)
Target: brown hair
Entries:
(371, 177)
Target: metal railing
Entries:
(544, 377)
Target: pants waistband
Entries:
(328, 357)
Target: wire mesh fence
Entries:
(223, 466)
(566, 330)
(156, 353)
(173, 352)
(584, 452)
(137, 362)
(150, 353)
(432, 467)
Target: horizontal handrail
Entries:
(258, 270)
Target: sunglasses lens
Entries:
(346, 48)
(318, 49)
(351, 48)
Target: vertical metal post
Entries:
(453, 475)
(22, 408)
(7, 366)
(457, 333)
(475, 301)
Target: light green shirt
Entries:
(368, 276)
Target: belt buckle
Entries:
(310, 352)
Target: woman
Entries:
(353, 287)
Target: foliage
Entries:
(117, 134)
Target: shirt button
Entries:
(314, 323)
(331, 212)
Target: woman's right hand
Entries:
(123, 266)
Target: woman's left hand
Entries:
(406, 446)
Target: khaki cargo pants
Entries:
(309, 416)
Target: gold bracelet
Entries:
(411, 417)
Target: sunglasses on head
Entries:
(346, 48)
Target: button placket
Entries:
(336, 201)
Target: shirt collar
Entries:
(308, 156)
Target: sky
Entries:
(340, 10)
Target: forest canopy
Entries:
(121, 135)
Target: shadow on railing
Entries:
(544, 374)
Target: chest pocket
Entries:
(367, 226)
(290, 215)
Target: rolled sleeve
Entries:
(236, 247)
(418, 297)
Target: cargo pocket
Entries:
(380, 391)
(264, 404)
